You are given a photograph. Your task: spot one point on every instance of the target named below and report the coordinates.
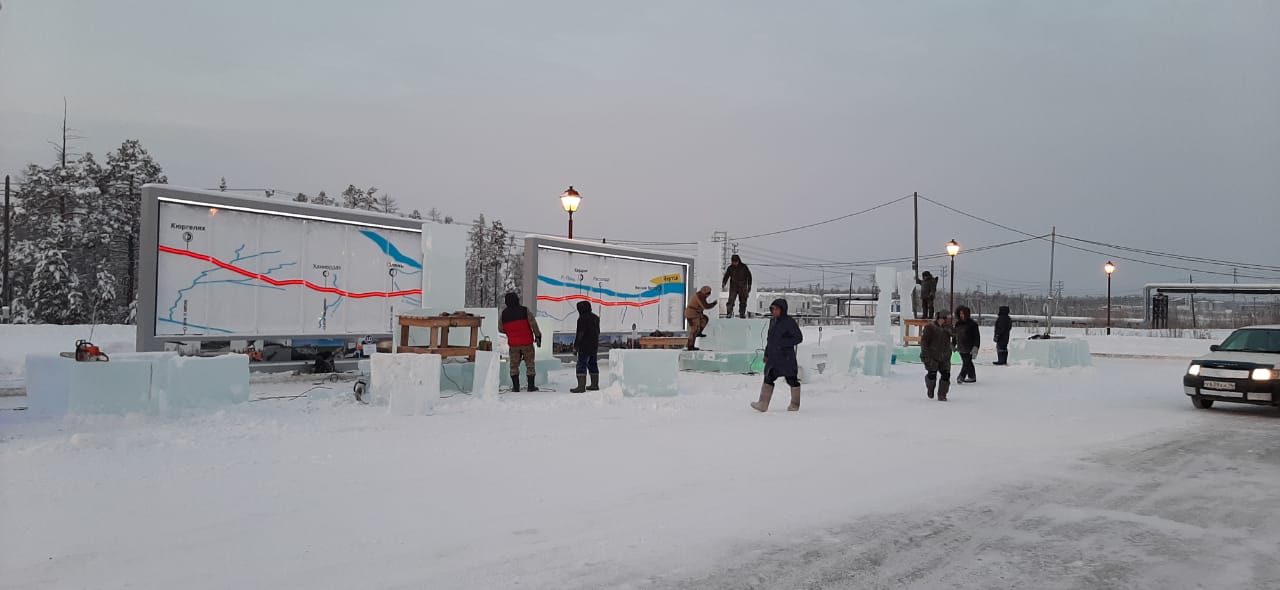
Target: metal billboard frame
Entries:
(149, 242)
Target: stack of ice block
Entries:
(485, 378)
(147, 383)
(731, 345)
(865, 354)
(1053, 353)
(409, 383)
(645, 372)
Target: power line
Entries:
(823, 222)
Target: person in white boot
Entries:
(780, 357)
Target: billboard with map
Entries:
(235, 267)
(631, 290)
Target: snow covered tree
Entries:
(53, 294)
(514, 276)
(353, 198)
(448, 219)
(415, 214)
(386, 203)
(322, 199)
(433, 215)
(270, 193)
(477, 249)
(128, 168)
(301, 198)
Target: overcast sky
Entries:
(1147, 124)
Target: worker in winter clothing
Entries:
(780, 357)
(968, 340)
(928, 288)
(695, 312)
(522, 335)
(586, 343)
(738, 278)
(1004, 325)
(935, 353)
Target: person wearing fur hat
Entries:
(586, 344)
(780, 357)
(696, 313)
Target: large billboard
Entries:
(239, 268)
(631, 290)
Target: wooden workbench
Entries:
(439, 328)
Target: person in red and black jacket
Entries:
(522, 334)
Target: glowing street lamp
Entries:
(1109, 268)
(953, 248)
(570, 199)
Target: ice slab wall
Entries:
(410, 383)
(735, 335)
(1054, 353)
(645, 372)
(200, 383)
(148, 383)
(811, 359)
(906, 306)
(444, 263)
(886, 278)
(859, 354)
(715, 361)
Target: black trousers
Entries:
(772, 376)
(966, 368)
(926, 308)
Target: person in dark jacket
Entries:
(586, 343)
(968, 340)
(738, 278)
(928, 289)
(522, 335)
(935, 353)
(1004, 325)
(780, 357)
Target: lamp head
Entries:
(953, 248)
(570, 199)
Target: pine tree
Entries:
(128, 168)
(415, 215)
(477, 248)
(353, 198)
(514, 276)
(53, 295)
(322, 199)
(301, 198)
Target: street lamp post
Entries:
(1108, 268)
(570, 199)
(953, 248)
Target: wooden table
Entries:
(663, 342)
(907, 337)
(439, 341)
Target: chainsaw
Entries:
(87, 352)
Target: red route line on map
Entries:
(287, 282)
(601, 302)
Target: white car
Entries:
(1243, 369)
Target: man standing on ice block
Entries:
(522, 334)
(928, 288)
(738, 277)
(780, 357)
(695, 312)
(935, 353)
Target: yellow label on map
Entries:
(662, 280)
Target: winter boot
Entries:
(943, 388)
(795, 400)
(766, 394)
(595, 382)
(582, 385)
(531, 387)
(515, 383)
(930, 383)
(1002, 357)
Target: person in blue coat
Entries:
(780, 357)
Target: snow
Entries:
(1030, 475)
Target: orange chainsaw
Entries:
(87, 352)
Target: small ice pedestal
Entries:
(200, 383)
(486, 379)
(871, 355)
(408, 382)
(651, 373)
(1051, 353)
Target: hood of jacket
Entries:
(780, 304)
(584, 307)
(512, 300)
(1004, 310)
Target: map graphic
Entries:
(624, 292)
(241, 273)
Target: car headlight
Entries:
(1193, 370)
(1262, 374)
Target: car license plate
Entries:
(1219, 385)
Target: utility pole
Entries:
(915, 260)
(1053, 243)
(8, 287)
(1192, 279)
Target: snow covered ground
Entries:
(1084, 478)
